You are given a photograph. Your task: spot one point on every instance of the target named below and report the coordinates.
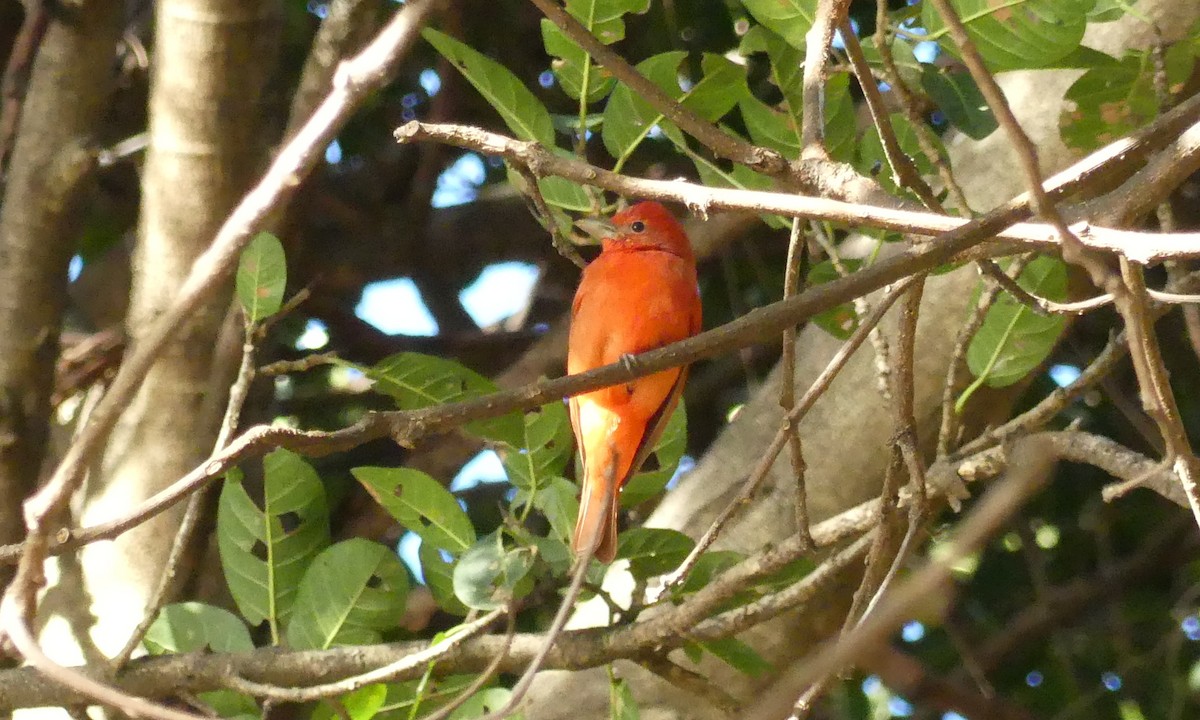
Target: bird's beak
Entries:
(596, 228)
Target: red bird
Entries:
(639, 294)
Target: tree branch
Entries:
(1139, 247)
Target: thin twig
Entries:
(829, 14)
(904, 171)
(16, 75)
(1157, 397)
(926, 592)
(552, 634)
(792, 282)
(578, 649)
(948, 431)
(483, 678)
(926, 140)
(407, 663)
(759, 474)
(546, 218)
(191, 514)
(1040, 305)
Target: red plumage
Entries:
(640, 293)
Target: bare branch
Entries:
(1137, 246)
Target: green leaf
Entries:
(486, 576)
(518, 107)
(628, 118)
(543, 452)
(791, 19)
(572, 66)
(738, 655)
(741, 177)
(261, 277)
(351, 593)
(193, 626)
(708, 566)
(769, 127)
(780, 130)
(1115, 98)
(362, 704)
(840, 321)
(841, 135)
(265, 551)
(415, 381)
(653, 551)
(439, 576)
(907, 65)
(667, 452)
(421, 504)
(1107, 10)
(1013, 340)
(959, 98)
(189, 626)
(621, 703)
(425, 695)
(483, 702)
(1015, 34)
(557, 500)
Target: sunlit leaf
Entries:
(265, 551)
(621, 703)
(188, 626)
(416, 381)
(352, 591)
(421, 504)
(1115, 98)
(518, 106)
(193, 626)
(653, 551)
(628, 118)
(780, 129)
(1013, 340)
(544, 450)
(483, 702)
(486, 575)
(572, 66)
(791, 19)
(1015, 34)
(262, 277)
(361, 704)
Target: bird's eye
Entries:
(638, 226)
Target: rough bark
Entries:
(212, 59)
(847, 433)
(40, 218)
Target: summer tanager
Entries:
(640, 293)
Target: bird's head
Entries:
(646, 225)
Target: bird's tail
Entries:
(596, 527)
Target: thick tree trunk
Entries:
(48, 175)
(212, 59)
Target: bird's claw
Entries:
(628, 362)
